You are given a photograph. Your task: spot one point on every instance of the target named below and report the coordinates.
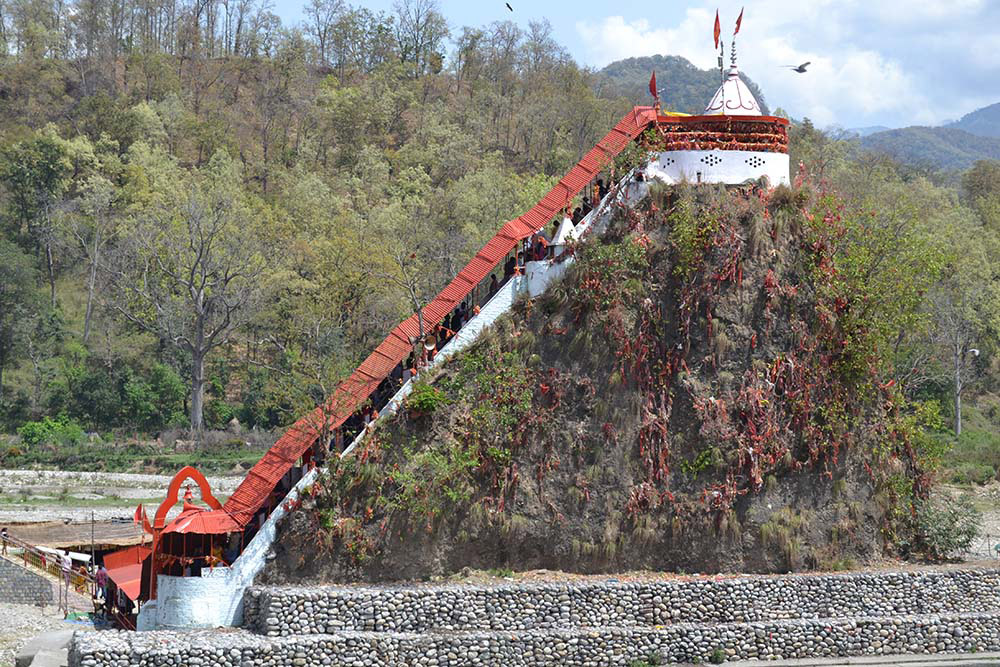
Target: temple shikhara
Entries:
(198, 563)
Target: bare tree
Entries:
(420, 31)
(90, 227)
(322, 17)
(191, 272)
(958, 317)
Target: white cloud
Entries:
(893, 62)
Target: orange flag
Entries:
(718, 28)
(137, 517)
(739, 21)
(652, 85)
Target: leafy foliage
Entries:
(946, 527)
(61, 431)
(425, 399)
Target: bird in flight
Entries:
(508, 6)
(801, 69)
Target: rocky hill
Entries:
(702, 392)
(685, 87)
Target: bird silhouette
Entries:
(801, 69)
(508, 6)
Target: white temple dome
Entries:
(733, 98)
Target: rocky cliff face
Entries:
(700, 393)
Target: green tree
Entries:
(981, 190)
(420, 33)
(189, 267)
(90, 228)
(17, 302)
(965, 302)
(36, 173)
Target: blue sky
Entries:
(875, 62)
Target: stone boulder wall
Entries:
(685, 643)
(21, 586)
(284, 611)
(610, 623)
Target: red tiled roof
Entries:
(355, 390)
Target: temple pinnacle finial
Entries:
(739, 23)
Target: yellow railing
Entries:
(21, 552)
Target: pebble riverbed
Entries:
(19, 623)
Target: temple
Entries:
(201, 561)
(732, 142)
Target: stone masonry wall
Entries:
(21, 586)
(282, 611)
(588, 623)
(683, 642)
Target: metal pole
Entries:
(93, 561)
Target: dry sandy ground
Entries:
(19, 623)
(45, 495)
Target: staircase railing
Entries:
(33, 557)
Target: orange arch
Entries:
(184, 474)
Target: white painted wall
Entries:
(730, 167)
(216, 598)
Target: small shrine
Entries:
(731, 142)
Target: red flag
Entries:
(137, 517)
(718, 28)
(739, 21)
(652, 85)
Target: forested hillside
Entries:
(985, 122)
(201, 202)
(685, 88)
(206, 214)
(935, 148)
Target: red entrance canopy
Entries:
(128, 578)
(131, 556)
(202, 522)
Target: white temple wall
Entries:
(730, 167)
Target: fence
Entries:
(20, 551)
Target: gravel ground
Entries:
(44, 487)
(119, 480)
(19, 623)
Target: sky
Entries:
(874, 62)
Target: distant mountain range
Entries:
(865, 131)
(685, 87)
(955, 145)
(941, 147)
